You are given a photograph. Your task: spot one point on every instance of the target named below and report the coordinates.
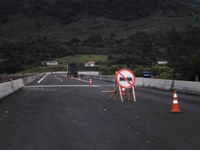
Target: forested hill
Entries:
(36, 30)
(64, 20)
(70, 10)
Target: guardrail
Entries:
(12, 86)
(182, 86)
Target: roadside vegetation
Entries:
(140, 51)
(136, 37)
(79, 59)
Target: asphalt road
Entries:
(56, 113)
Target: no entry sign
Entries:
(125, 78)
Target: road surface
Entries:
(57, 113)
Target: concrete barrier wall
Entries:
(182, 86)
(187, 87)
(17, 84)
(12, 86)
(89, 72)
(5, 89)
(30, 79)
(155, 83)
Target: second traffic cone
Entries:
(123, 91)
(90, 82)
(175, 105)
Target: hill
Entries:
(36, 30)
(71, 10)
(62, 20)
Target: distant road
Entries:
(56, 113)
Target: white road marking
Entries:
(82, 80)
(58, 78)
(52, 86)
(42, 79)
(108, 91)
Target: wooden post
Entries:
(113, 93)
(133, 90)
(120, 93)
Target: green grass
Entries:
(79, 59)
(41, 69)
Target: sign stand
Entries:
(120, 93)
(124, 78)
(132, 90)
(114, 92)
(129, 94)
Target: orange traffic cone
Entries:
(175, 105)
(90, 82)
(123, 91)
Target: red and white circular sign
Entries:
(125, 78)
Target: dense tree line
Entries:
(180, 48)
(23, 55)
(70, 10)
(183, 52)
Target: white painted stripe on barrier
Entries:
(42, 79)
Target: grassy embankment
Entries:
(79, 59)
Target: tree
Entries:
(183, 52)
